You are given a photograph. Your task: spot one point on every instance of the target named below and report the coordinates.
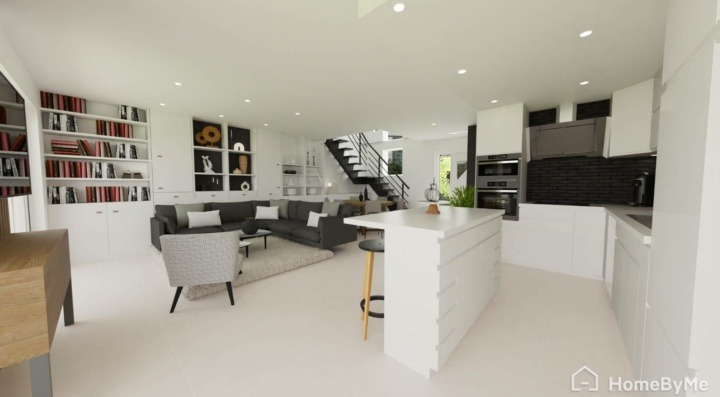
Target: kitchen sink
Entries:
(645, 220)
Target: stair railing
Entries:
(377, 166)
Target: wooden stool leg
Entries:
(370, 261)
(365, 281)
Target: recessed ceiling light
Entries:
(297, 113)
(457, 132)
(399, 7)
(221, 115)
(462, 71)
(434, 123)
(177, 83)
(586, 33)
(247, 100)
(584, 82)
(266, 124)
(162, 104)
(494, 101)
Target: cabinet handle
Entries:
(176, 196)
(160, 188)
(159, 155)
(212, 195)
(99, 212)
(116, 211)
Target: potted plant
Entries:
(463, 196)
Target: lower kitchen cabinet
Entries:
(565, 239)
(629, 297)
(101, 230)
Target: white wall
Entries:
(420, 161)
(15, 72)
(683, 288)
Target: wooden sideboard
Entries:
(35, 285)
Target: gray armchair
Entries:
(198, 259)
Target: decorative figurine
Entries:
(207, 165)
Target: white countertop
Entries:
(621, 212)
(450, 221)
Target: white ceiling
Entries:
(344, 74)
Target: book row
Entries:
(111, 128)
(14, 167)
(79, 169)
(98, 194)
(62, 122)
(81, 147)
(128, 113)
(63, 102)
(18, 145)
(8, 191)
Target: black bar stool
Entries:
(371, 246)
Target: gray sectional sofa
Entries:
(331, 230)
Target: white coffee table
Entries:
(246, 245)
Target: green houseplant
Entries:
(463, 196)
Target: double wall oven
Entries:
(498, 183)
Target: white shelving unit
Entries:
(102, 229)
(229, 161)
(14, 126)
(314, 169)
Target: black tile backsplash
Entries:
(585, 179)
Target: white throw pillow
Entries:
(200, 219)
(314, 218)
(267, 213)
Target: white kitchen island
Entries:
(440, 272)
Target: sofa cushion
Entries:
(331, 207)
(200, 230)
(166, 210)
(283, 207)
(170, 224)
(181, 211)
(305, 207)
(233, 212)
(285, 226)
(265, 223)
(292, 209)
(231, 226)
(307, 233)
(259, 203)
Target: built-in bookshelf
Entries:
(94, 152)
(314, 169)
(223, 157)
(14, 164)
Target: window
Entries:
(394, 158)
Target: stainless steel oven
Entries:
(498, 183)
(499, 199)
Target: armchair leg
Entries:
(177, 296)
(230, 293)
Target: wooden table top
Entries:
(24, 251)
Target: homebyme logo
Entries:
(585, 379)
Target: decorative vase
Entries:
(245, 186)
(239, 147)
(432, 194)
(250, 226)
(366, 193)
(361, 197)
(243, 161)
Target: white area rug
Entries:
(280, 256)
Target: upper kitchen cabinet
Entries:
(172, 153)
(632, 128)
(688, 24)
(500, 130)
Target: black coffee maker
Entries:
(643, 188)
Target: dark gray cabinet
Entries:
(574, 138)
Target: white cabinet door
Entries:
(129, 227)
(629, 297)
(545, 244)
(500, 130)
(172, 160)
(589, 243)
(87, 228)
(269, 159)
(212, 196)
(632, 113)
(609, 267)
(175, 198)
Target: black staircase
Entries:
(363, 158)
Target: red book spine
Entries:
(48, 169)
(88, 194)
(66, 164)
(4, 141)
(19, 142)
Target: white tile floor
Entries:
(299, 334)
